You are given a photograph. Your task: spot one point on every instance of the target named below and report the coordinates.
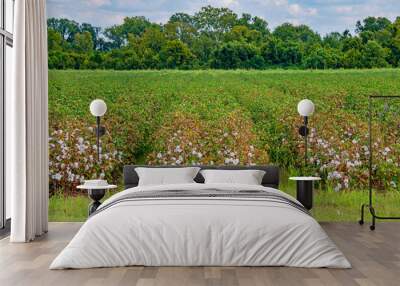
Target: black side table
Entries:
(304, 191)
(96, 193)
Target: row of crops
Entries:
(224, 117)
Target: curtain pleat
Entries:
(29, 157)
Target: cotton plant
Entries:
(73, 158)
(339, 153)
(187, 140)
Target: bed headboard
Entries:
(270, 179)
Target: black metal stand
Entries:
(304, 193)
(370, 204)
(100, 131)
(96, 195)
(303, 131)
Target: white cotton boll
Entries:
(159, 155)
(199, 155)
(227, 160)
(235, 161)
(57, 177)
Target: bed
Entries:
(198, 224)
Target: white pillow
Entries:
(166, 176)
(248, 177)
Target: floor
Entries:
(375, 257)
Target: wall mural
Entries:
(204, 113)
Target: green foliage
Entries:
(218, 38)
(237, 55)
(176, 54)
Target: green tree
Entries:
(176, 54)
(83, 42)
(254, 23)
(333, 40)
(215, 21)
(374, 55)
(302, 33)
(243, 34)
(235, 55)
(373, 24)
(67, 28)
(54, 40)
(135, 26)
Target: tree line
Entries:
(218, 38)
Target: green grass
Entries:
(328, 205)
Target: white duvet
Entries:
(200, 231)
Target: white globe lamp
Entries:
(305, 107)
(98, 107)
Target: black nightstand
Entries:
(304, 191)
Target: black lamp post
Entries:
(98, 108)
(305, 108)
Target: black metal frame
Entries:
(370, 204)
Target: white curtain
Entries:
(27, 124)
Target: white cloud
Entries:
(321, 15)
(344, 9)
(297, 10)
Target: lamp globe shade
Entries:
(98, 107)
(305, 107)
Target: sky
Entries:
(323, 16)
